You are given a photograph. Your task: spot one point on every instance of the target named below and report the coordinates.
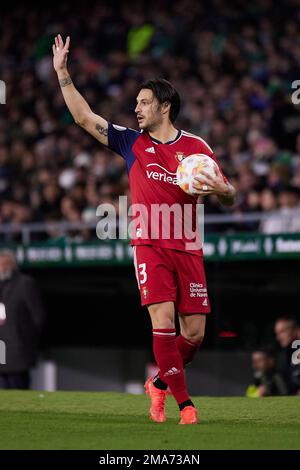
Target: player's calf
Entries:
(187, 350)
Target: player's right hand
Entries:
(60, 53)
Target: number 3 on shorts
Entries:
(142, 273)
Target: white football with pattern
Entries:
(192, 166)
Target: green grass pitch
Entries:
(81, 420)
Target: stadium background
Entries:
(233, 64)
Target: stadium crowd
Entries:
(278, 374)
(233, 68)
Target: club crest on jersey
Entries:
(145, 292)
(180, 156)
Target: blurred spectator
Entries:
(266, 380)
(234, 74)
(287, 217)
(287, 331)
(21, 321)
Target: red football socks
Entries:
(170, 363)
(187, 350)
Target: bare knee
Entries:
(193, 336)
(162, 315)
(193, 328)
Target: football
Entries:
(192, 166)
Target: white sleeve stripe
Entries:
(192, 136)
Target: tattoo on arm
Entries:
(65, 81)
(102, 130)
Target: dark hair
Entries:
(288, 319)
(164, 92)
(288, 188)
(267, 351)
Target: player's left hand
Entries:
(60, 53)
(206, 184)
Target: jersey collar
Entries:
(155, 141)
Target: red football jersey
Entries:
(151, 167)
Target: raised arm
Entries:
(79, 108)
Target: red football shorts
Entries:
(166, 275)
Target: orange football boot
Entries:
(158, 401)
(189, 415)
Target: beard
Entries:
(150, 126)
